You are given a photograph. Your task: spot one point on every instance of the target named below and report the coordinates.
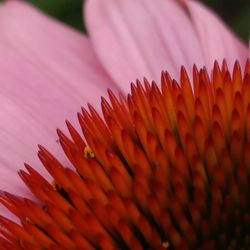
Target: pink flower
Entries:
(48, 70)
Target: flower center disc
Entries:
(167, 168)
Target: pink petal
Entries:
(217, 41)
(136, 38)
(47, 71)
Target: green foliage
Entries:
(241, 24)
(235, 13)
(68, 11)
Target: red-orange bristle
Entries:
(160, 125)
(102, 127)
(117, 163)
(35, 176)
(43, 218)
(199, 133)
(224, 68)
(141, 104)
(128, 237)
(196, 80)
(18, 232)
(105, 242)
(5, 245)
(80, 242)
(120, 110)
(168, 99)
(187, 92)
(4, 199)
(142, 161)
(204, 96)
(92, 122)
(57, 199)
(43, 240)
(128, 147)
(117, 204)
(61, 239)
(101, 175)
(228, 92)
(156, 101)
(95, 227)
(221, 104)
(59, 217)
(119, 183)
(96, 191)
(200, 112)
(237, 78)
(217, 77)
(75, 136)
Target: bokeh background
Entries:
(236, 13)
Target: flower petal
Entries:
(47, 70)
(136, 38)
(217, 41)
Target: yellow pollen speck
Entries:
(88, 153)
(165, 244)
(28, 219)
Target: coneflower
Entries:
(167, 168)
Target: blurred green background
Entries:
(236, 13)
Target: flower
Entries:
(47, 69)
(165, 168)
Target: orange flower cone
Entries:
(164, 168)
